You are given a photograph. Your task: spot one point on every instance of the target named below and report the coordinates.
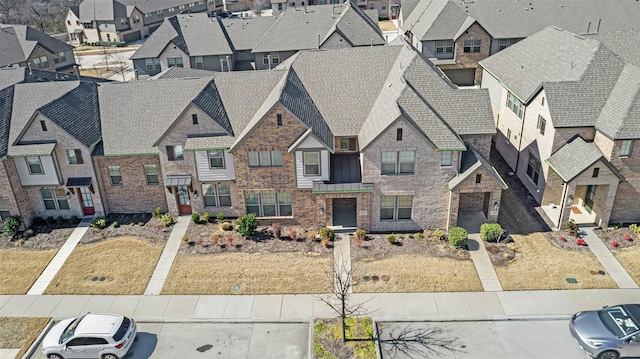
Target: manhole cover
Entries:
(375, 278)
(102, 279)
(385, 278)
(571, 280)
(94, 279)
(601, 272)
(366, 278)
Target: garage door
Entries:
(461, 77)
(134, 36)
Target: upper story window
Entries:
(59, 57)
(68, 22)
(194, 118)
(508, 135)
(504, 43)
(88, 25)
(478, 178)
(54, 198)
(172, 10)
(199, 62)
(269, 204)
(115, 175)
(348, 144)
(444, 47)
(41, 62)
(446, 159)
(596, 172)
(471, 46)
(216, 159)
(174, 61)
(34, 165)
(533, 168)
(393, 208)
(192, 4)
(148, 15)
(311, 163)
(626, 148)
(270, 58)
(160, 12)
(75, 157)
(279, 119)
(399, 134)
(151, 173)
(44, 126)
(372, 6)
(216, 195)
(124, 21)
(265, 158)
(175, 153)
(542, 124)
(515, 105)
(4, 210)
(136, 19)
(401, 162)
(152, 64)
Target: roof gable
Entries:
(620, 116)
(472, 162)
(6, 104)
(575, 157)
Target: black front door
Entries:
(591, 195)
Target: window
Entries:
(88, 25)
(504, 43)
(174, 61)
(194, 118)
(152, 64)
(54, 198)
(59, 57)
(478, 178)
(242, 52)
(596, 172)
(626, 148)
(274, 57)
(75, 157)
(508, 135)
(147, 15)
(384, 6)
(217, 195)
(151, 173)
(124, 21)
(43, 125)
(192, 4)
(393, 208)
(4, 209)
(136, 19)
(446, 158)
(348, 144)
(399, 134)
(397, 162)
(471, 46)
(216, 159)
(515, 105)
(115, 175)
(160, 12)
(35, 167)
(172, 10)
(279, 119)
(444, 47)
(269, 204)
(533, 168)
(41, 62)
(175, 153)
(542, 123)
(280, 7)
(372, 6)
(265, 158)
(68, 22)
(311, 163)
(199, 61)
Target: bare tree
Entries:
(120, 64)
(416, 342)
(105, 48)
(257, 6)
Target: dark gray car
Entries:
(609, 333)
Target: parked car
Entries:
(101, 336)
(609, 333)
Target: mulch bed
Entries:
(377, 246)
(199, 241)
(129, 225)
(562, 239)
(45, 235)
(618, 235)
(501, 252)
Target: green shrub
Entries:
(51, 220)
(490, 232)
(206, 217)
(326, 233)
(28, 233)
(226, 226)
(392, 238)
(247, 224)
(115, 224)
(12, 225)
(167, 220)
(59, 220)
(157, 213)
(635, 228)
(141, 224)
(572, 227)
(420, 235)
(383, 18)
(438, 234)
(74, 219)
(195, 217)
(220, 216)
(98, 222)
(361, 234)
(458, 237)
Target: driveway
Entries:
(219, 340)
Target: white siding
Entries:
(495, 90)
(207, 174)
(307, 181)
(49, 178)
(310, 142)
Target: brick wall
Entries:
(464, 196)
(14, 193)
(39, 51)
(626, 207)
(470, 60)
(363, 208)
(481, 143)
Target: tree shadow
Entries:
(410, 342)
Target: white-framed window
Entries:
(4, 210)
(542, 124)
(348, 144)
(504, 43)
(394, 208)
(192, 4)
(311, 163)
(88, 25)
(54, 198)
(152, 64)
(372, 6)
(199, 62)
(471, 46)
(242, 52)
(34, 165)
(41, 62)
(160, 12)
(217, 195)
(446, 158)
(444, 47)
(151, 173)
(174, 61)
(115, 175)
(175, 153)
(136, 19)
(148, 15)
(59, 57)
(124, 21)
(269, 204)
(626, 148)
(533, 168)
(274, 57)
(398, 162)
(384, 6)
(265, 158)
(216, 159)
(171, 10)
(75, 157)
(515, 105)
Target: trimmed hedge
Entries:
(490, 232)
(458, 237)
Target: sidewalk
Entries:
(169, 252)
(608, 261)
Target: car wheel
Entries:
(110, 356)
(609, 354)
(54, 356)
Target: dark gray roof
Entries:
(620, 116)
(470, 162)
(245, 33)
(78, 113)
(6, 105)
(573, 158)
(209, 101)
(28, 36)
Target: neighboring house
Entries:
(566, 110)
(24, 46)
(127, 20)
(404, 150)
(189, 40)
(244, 34)
(456, 35)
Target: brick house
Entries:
(24, 46)
(456, 35)
(565, 109)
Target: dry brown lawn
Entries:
(628, 258)
(125, 263)
(99, 73)
(387, 25)
(19, 333)
(540, 265)
(255, 273)
(416, 273)
(19, 268)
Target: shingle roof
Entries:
(357, 27)
(620, 116)
(470, 162)
(208, 142)
(41, 149)
(435, 20)
(622, 43)
(6, 106)
(209, 101)
(11, 51)
(573, 158)
(28, 36)
(102, 10)
(245, 33)
(182, 72)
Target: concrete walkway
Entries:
(606, 258)
(168, 255)
(58, 260)
(342, 259)
(471, 221)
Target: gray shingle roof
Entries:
(622, 43)
(102, 10)
(573, 158)
(208, 142)
(357, 27)
(43, 149)
(28, 36)
(11, 51)
(435, 20)
(182, 72)
(245, 33)
(6, 104)
(620, 116)
(469, 164)
(209, 101)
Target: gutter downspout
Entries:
(564, 198)
(524, 114)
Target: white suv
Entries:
(104, 336)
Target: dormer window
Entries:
(194, 119)
(478, 178)
(399, 134)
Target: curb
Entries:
(311, 339)
(36, 343)
(497, 318)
